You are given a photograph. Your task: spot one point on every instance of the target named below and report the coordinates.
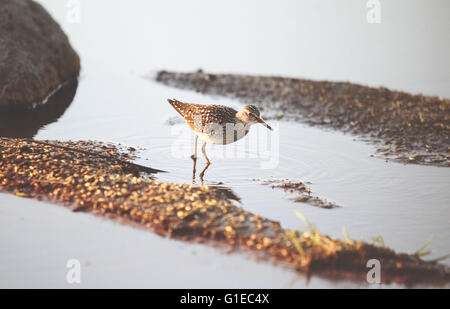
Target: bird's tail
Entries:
(177, 105)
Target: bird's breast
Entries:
(224, 135)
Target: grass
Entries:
(378, 240)
(346, 236)
(311, 238)
(311, 235)
(421, 251)
(292, 235)
(308, 225)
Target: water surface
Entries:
(116, 101)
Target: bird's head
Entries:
(249, 114)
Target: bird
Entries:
(217, 124)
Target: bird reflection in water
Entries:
(202, 173)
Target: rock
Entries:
(35, 54)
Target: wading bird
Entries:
(217, 124)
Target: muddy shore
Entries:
(100, 178)
(404, 127)
(299, 192)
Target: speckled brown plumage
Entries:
(217, 124)
(206, 114)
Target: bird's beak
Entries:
(264, 123)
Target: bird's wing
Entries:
(198, 116)
(178, 106)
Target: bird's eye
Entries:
(251, 114)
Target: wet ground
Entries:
(406, 204)
(99, 178)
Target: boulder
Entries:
(35, 54)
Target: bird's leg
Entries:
(207, 162)
(193, 171)
(203, 172)
(204, 153)
(194, 156)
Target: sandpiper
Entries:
(217, 124)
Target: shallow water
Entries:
(117, 101)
